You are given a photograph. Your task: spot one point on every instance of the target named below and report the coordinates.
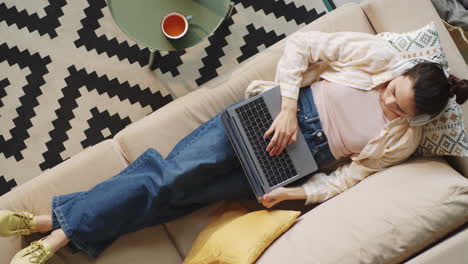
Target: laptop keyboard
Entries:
(256, 120)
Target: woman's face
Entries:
(398, 97)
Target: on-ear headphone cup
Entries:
(420, 120)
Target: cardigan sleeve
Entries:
(347, 49)
(321, 187)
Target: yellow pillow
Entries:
(236, 236)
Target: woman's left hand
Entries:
(277, 195)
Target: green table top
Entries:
(141, 20)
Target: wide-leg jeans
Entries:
(201, 169)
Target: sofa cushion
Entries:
(236, 236)
(79, 173)
(386, 218)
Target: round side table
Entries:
(140, 20)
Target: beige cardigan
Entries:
(359, 60)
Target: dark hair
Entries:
(432, 89)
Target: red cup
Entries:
(174, 25)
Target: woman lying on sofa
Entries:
(371, 103)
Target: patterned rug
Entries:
(69, 78)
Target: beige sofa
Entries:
(349, 228)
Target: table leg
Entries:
(151, 58)
(231, 7)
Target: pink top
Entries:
(350, 117)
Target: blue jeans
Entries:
(201, 169)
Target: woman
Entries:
(374, 124)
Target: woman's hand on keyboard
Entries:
(277, 195)
(285, 127)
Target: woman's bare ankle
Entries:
(56, 240)
(43, 223)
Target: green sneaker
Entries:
(12, 223)
(35, 253)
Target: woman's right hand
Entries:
(285, 127)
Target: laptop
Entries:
(245, 124)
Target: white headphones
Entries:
(421, 120)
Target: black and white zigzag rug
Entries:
(69, 78)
